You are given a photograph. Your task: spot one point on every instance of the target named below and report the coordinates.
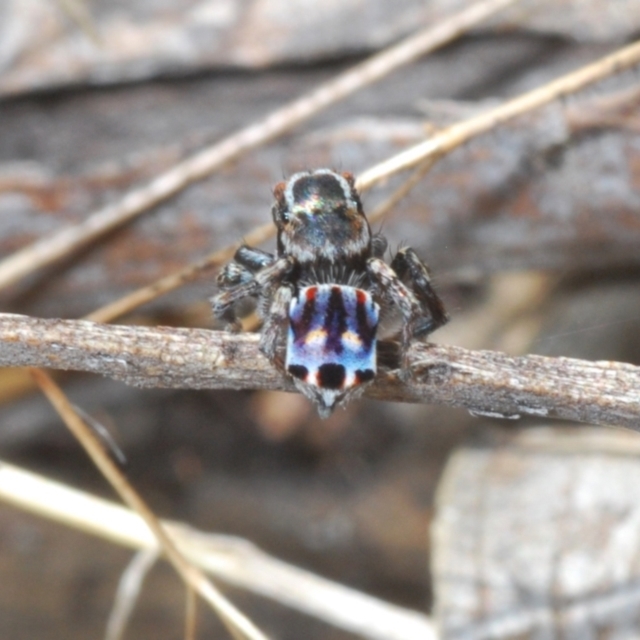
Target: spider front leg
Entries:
(379, 245)
(253, 259)
(413, 271)
(246, 262)
(237, 285)
(275, 324)
(389, 286)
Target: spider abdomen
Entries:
(331, 341)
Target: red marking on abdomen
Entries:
(361, 297)
(311, 293)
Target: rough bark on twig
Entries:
(484, 382)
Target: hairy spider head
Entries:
(319, 217)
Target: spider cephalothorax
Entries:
(321, 295)
(320, 221)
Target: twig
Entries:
(452, 137)
(129, 589)
(402, 190)
(232, 559)
(168, 283)
(237, 623)
(191, 615)
(484, 382)
(201, 165)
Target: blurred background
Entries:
(499, 529)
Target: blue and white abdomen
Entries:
(331, 342)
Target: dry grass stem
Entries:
(238, 625)
(191, 615)
(484, 382)
(232, 559)
(168, 283)
(403, 190)
(202, 164)
(129, 589)
(458, 134)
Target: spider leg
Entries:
(389, 286)
(379, 245)
(258, 285)
(275, 323)
(253, 259)
(233, 275)
(246, 262)
(412, 270)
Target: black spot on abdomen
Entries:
(298, 371)
(364, 375)
(331, 376)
